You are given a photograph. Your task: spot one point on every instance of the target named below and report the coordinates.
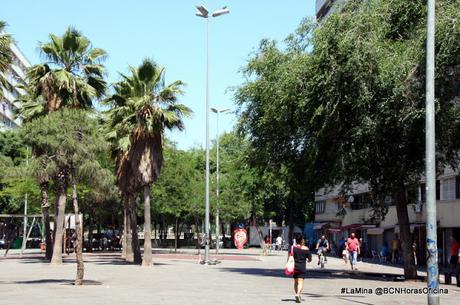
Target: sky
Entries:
(171, 34)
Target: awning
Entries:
(375, 231)
(318, 226)
(334, 230)
(352, 226)
(412, 227)
(367, 226)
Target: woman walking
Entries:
(301, 254)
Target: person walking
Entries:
(454, 253)
(395, 245)
(353, 249)
(301, 254)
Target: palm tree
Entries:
(142, 108)
(5, 57)
(71, 76)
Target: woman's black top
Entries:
(300, 258)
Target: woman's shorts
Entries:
(299, 275)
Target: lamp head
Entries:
(202, 11)
(220, 12)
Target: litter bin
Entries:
(17, 243)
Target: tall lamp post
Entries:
(217, 111)
(431, 238)
(204, 13)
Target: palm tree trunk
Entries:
(128, 240)
(46, 219)
(79, 231)
(59, 220)
(147, 261)
(137, 257)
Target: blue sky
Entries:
(171, 34)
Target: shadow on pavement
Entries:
(306, 297)
(57, 281)
(317, 274)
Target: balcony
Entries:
(320, 4)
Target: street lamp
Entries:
(217, 111)
(430, 160)
(204, 13)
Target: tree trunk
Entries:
(128, 235)
(410, 270)
(147, 261)
(46, 219)
(90, 233)
(79, 231)
(137, 257)
(261, 240)
(59, 220)
(176, 236)
(123, 237)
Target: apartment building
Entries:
(337, 216)
(326, 7)
(16, 75)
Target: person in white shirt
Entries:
(279, 242)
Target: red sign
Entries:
(240, 237)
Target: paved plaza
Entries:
(242, 277)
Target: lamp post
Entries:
(217, 111)
(204, 13)
(431, 238)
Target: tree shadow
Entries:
(318, 274)
(55, 281)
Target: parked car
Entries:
(3, 243)
(107, 241)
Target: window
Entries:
(448, 189)
(320, 206)
(423, 191)
(361, 201)
(457, 187)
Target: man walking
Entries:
(353, 248)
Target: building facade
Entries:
(326, 7)
(16, 75)
(337, 216)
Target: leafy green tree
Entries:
(353, 90)
(142, 108)
(270, 119)
(72, 76)
(71, 141)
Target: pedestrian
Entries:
(384, 252)
(362, 247)
(454, 253)
(395, 249)
(279, 242)
(341, 246)
(353, 249)
(301, 254)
